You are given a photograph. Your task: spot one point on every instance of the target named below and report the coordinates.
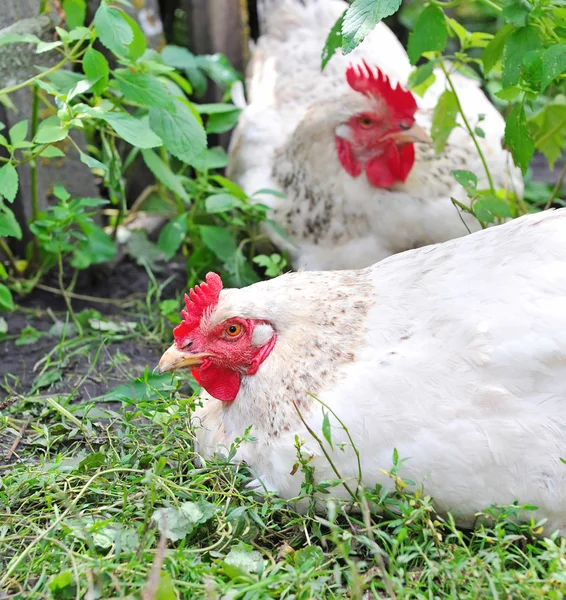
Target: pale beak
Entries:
(173, 359)
(413, 135)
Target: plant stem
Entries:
(6, 249)
(556, 188)
(33, 163)
(66, 296)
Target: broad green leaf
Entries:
(135, 131)
(219, 240)
(18, 132)
(459, 30)
(179, 58)
(430, 34)
(221, 122)
(553, 64)
(361, 17)
(114, 31)
(9, 226)
(181, 521)
(219, 69)
(6, 300)
(9, 182)
(444, 119)
(516, 46)
(164, 174)
(91, 162)
(532, 67)
(92, 461)
(28, 335)
(516, 13)
(75, 11)
(182, 133)
(19, 38)
(138, 46)
(215, 158)
(52, 152)
(494, 50)
(49, 134)
(80, 88)
(43, 47)
(333, 41)
(61, 193)
(173, 235)
(518, 139)
(466, 179)
(166, 589)
(488, 208)
(143, 89)
(222, 202)
(3, 326)
(420, 74)
(510, 93)
(548, 129)
(95, 67)
(245, 559)
(98, 247)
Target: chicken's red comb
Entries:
(198, 299)
(364, 80)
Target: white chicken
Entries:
(343, 145)
(454, 354)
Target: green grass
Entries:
(81, 500)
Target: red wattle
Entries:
(392, 166)
(221, 383)
(346, 157)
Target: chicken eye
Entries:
(233, 330)
(365, 122)
(404, 126)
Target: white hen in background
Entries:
(454, 354)
(342, 145)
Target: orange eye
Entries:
(365, 122)
(233, 330)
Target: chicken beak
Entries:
(173, 359)
(413, 135)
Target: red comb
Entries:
(197, 301)
(364, 80)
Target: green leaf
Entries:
(143, 89)
(52, 152)
(182, 133)
(219, 240)
(222, 202)
(420, 74)
(92, 461)
(245, 559)
(9, 182)
(19, 38)
(63, 586)
(166, 589)
(553, 64)
(75, 11)
(333, 41)
(181, 521)
(518, 139)
(138, 46)
(444, 119)
(18, 132)
(510, 93)
(516, 46)
(29, 335)
(43, 47)
(98, 247)
(326, 429)
(488, 208)
(164, 174)
(91, 162)
(221, 122)
(3, 326)
(48, 134)
(61, 193)
(95, 67)
(9, 226)
(6, 300)
(173, 235)
(361, 17)
(430, 34)
(215, 158)
(548, 129)
(135, 131)
(494, 50)
(516, 13)
(114, 31)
